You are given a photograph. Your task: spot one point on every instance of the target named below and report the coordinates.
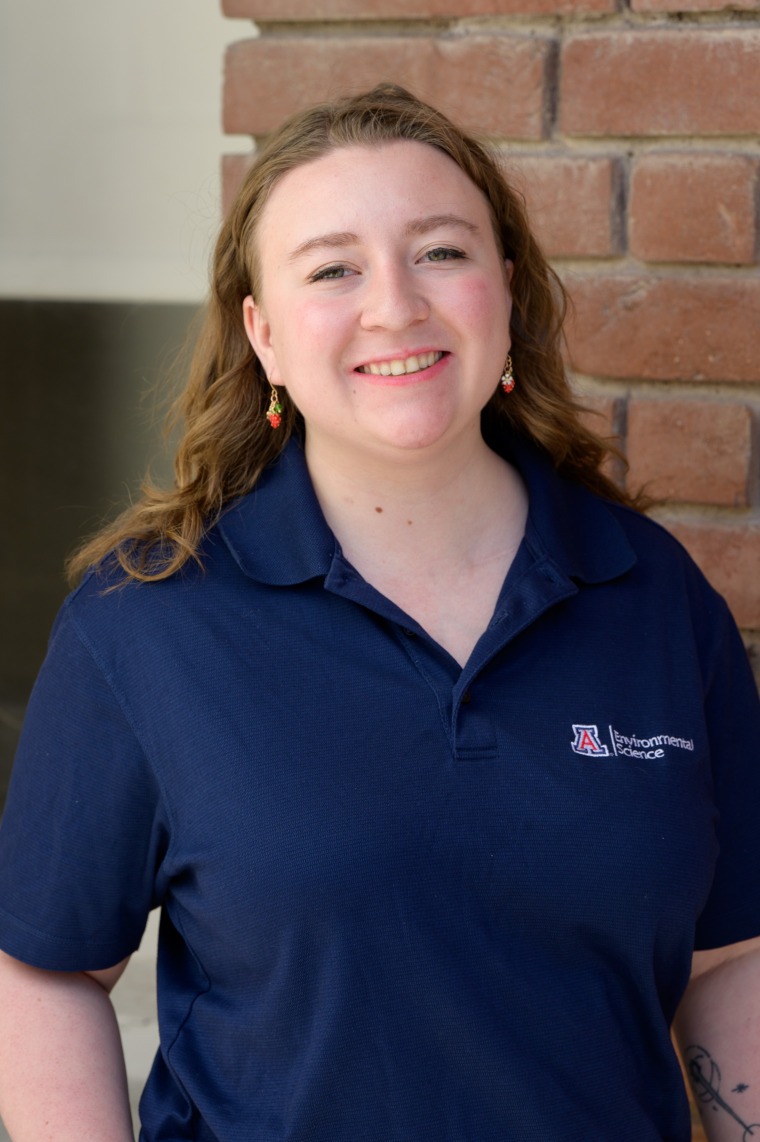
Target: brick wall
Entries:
(633, 131)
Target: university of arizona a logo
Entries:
(587, 742)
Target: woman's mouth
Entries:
(401, 367)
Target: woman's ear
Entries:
(259, 334)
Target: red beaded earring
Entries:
(275, 408)
(507, 377)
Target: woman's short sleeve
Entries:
(732, 713)
(83, 834)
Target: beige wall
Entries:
(109, 147)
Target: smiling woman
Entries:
(341, 703)
(228, 443)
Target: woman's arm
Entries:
(718, 1031)
(62, 1073)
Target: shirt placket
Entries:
(465, 700)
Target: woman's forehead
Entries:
(358, 186)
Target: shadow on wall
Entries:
(82, 419)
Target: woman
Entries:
(439, 759)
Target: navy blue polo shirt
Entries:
(402, 900)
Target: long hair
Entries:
(227, 440)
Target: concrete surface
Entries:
(134, 998)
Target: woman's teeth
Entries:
(399, 368)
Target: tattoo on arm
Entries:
(704, 1076)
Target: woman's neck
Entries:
(435, 534)
(442, 502)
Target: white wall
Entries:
(110, 142)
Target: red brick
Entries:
(665, 82)
(403, 9)
(234, 170)
(572, 202)
(670, 328)
(729, 555)
(491, 84)
(691, 6)
(693, 208)
(690, 450)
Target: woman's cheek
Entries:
(475, 303)
(321, 326)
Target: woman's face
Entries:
(384, 307)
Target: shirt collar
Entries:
(581, 533)
(277, 533)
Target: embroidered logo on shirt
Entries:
(629, 745)
(587, 742)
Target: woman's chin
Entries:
(419, 433)
(396, 433)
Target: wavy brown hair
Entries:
(227, 440)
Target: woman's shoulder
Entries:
(671, 576)
(108, 598)
(654, 543)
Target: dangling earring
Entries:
(275, 408)
(507, 379)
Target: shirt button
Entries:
(466, 698)
(409, 633)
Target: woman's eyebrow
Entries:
(337, 239)
(433, 221)
(340, 238)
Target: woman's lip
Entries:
(396, 364)
(400, 379)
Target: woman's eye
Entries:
(330, 273)
(442, 254)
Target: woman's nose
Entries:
(393, 300)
